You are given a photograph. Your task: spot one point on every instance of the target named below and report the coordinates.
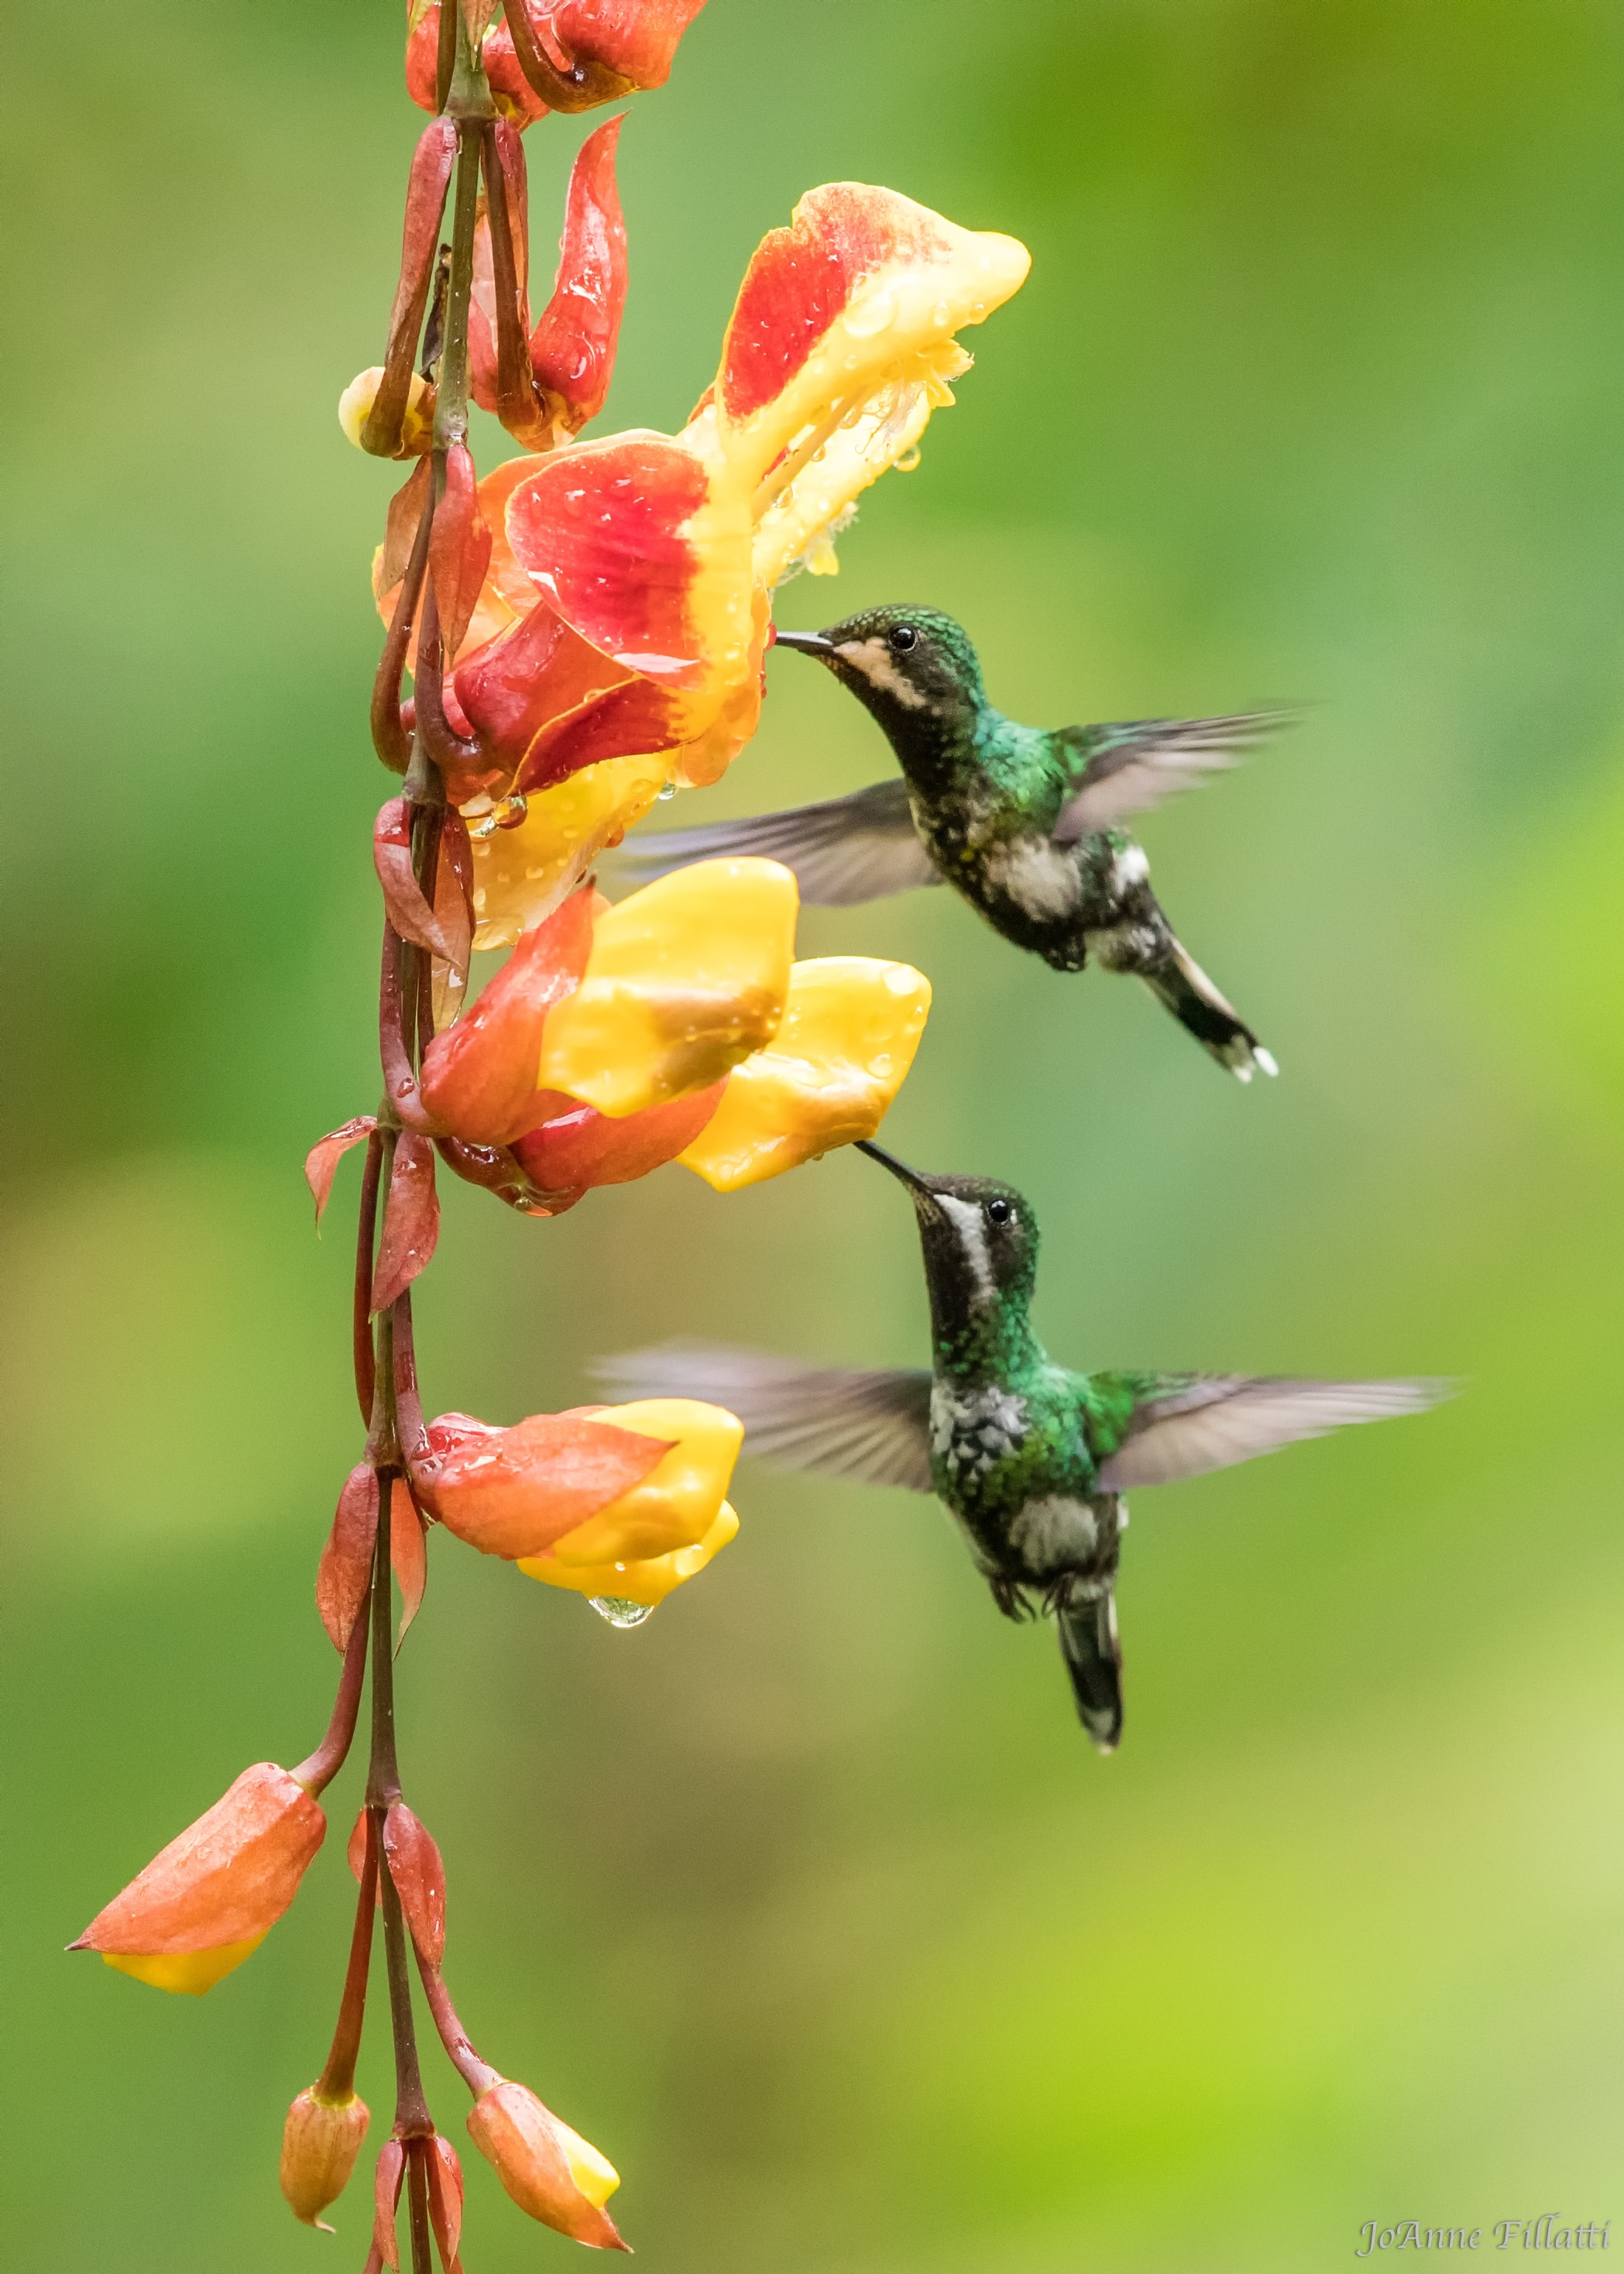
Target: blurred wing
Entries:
(1138, 765)
(861, 847)
(1211, 1421)
(876, 1426)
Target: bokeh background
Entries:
(808, 1901)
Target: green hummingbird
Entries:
(1031, 1460)
(1020, 820)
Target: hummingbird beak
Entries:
(806, 643)
(918, 1190)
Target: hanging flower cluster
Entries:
(584, 628)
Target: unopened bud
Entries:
(549, 2170)
(355, 403)
(320, 2144)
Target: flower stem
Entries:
(337, 2079)
(318, 1771)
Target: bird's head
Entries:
(979, 1239)
(903, 662)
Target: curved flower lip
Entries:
(216, 1890)
(578, 1148)
(851, 1027)
(676, 1503)
(686, 977)
(514, 1492)
(646, 1582)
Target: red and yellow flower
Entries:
(676, 1025)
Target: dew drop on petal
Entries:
(620, 1610)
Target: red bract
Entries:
(479, 1080)
(322, 1161)
(345, 1571)
(514, 1492)
(419, 1879)
(410, 1221)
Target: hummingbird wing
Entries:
(1094, 1661)
(1183, 1425)
(847, 849)
(1135, 766)
(875, 1427)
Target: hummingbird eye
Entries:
(999, 1212)
(903, 639)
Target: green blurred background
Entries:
(808, 1901)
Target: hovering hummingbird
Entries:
(1020, 820)
(1030, 1458)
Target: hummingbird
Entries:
(1031, 1460)
(1021, 820)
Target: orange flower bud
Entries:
(320, 2143)
(514, 1492)
(214, 1895)
(548, 2170)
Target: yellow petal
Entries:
(685, 978)
(648, 1582)
(589, 2167)
(850, 1029)
(521, 875)
(190, 1972)
(677, 1502)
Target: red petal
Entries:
(322, 1161)
(419, 1879)
(632, 718)
(799, 280)
(600, 529)
(343, 1577)
(386, 2195)
(410, 1220)
(459, 549)
(402, 896)
(572, 348)
(514, 1492)
(423, 54)
(479, 1080)
(518, 687)
(583, 1147)
(408, 1554)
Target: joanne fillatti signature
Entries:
(1541, 2233)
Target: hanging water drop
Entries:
(667, 794)
(620, 1610)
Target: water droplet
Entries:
(909, 460)
(667, 794)
(873, 314)
(620, 1610)
(509, 812)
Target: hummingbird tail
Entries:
(1094, 1661)
(1179, 981)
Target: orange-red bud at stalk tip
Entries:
(549, 2170)
(320, 2143)
(214, 1893)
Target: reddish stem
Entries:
(318, 1771)
(337, 2079)
(477, 2075)
(366, 1236)
(390, 738)
(393, 1042)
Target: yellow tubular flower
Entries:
(685, 978)
(849, 1035)
(189, 1972)
(666, 1528)
(521, 873)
